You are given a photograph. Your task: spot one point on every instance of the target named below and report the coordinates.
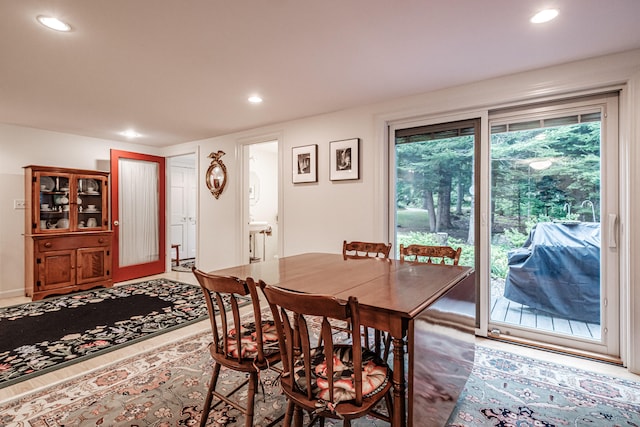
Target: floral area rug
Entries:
(44, 335)
(166, 387)
(506, 389)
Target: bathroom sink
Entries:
(257, 226)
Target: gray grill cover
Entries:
(558, 270)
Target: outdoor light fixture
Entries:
(541, 164)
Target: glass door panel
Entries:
(435, 181)
(546, 207)
(90, 197)
(54, 210)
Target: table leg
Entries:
(399, 386)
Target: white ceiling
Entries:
(179, 71)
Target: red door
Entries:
(137, 214)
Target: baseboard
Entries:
(13, 293)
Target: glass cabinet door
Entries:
(54, 212)
(91, 202)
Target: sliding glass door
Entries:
(545, 242)
(554, 257)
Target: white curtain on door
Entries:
(138, 212)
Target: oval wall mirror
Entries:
(216, 174)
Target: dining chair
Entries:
(430, 254)
(247, 351)
(364, 250)
(358, 250)
(341, 379)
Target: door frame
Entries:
(139, 270)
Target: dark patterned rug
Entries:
(41, 336)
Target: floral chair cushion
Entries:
(249, 343)
(375, 375)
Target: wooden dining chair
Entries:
(340, 380)
(357, 250)
(364, 250)
(430, 254)
(247, 351)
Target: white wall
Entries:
(20, 147)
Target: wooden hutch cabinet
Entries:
(67, 236)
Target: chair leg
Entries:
(389, 402)
(347, 422)
(289, 414)
(297, 416)
(207, 402)
(251, 396)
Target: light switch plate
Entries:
(19, 204)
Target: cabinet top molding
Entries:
(57, 169)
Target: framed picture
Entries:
(305, 163)
(344, 159)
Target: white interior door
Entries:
(183, 205)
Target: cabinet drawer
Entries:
(73, 242)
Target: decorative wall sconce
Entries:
(216, 174)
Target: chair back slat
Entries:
(305, 344)
(358, 250)
(327, 339)
(430, 254)
(283, 325)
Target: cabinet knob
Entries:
(100, 240)
(47, 245)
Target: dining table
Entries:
(428, 308)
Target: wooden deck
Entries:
(504, 310)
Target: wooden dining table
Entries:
(427, 307)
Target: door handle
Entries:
(612, 230)
(116, 223)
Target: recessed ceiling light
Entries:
(544, 16)
(255, 99)
(54, 23)
(130, 133)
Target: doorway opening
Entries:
(262, 201)
(183, 220)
